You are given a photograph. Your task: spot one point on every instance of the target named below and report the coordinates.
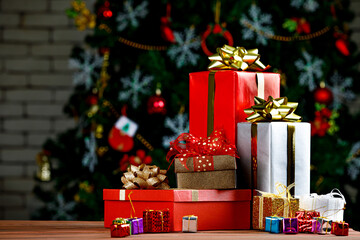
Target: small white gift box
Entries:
(189, 223)
(330, 205)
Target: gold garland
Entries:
(286, 38)
(142, 46)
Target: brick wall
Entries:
(36, 38)
(35, 41)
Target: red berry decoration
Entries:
(323, 95)
(104, 11)
(156, 104)
(137, 160)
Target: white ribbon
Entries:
(261, 85)
(122, 195)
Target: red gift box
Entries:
(307, 225)
(340, 228)
(307, 215)
(119, 230)
(220, 104)
(216, 209)
(156, 221)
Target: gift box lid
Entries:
(219, 162)
(178, 195)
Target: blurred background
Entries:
(70, 69)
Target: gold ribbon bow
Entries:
(145, 177)
(278, 109)
(236, 58)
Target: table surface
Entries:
(95, 230)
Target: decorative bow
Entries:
(278, 109)
(144, 177)
(236, 58)
(216, 144)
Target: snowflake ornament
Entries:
(62, 208)
(131, 14)
(90, 158)
(310, 69)
(261, 23)
(182, 51)
(308, 5)
(134, 86)
(340, 89)
(354, 165)
(86, 68)
(178, 125)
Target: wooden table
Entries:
(96, 230)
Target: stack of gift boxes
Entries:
(244, 164)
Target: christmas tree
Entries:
(131, 89)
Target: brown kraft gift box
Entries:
(198, 176)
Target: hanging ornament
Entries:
(121, 135)
(99, 131)
(323, 94)
(104, 11)
(134, 86)
(166, 32)
(92, 99)
(44, 171)
(81, 14)
(342, 42)
(157, 104)
(216, 29)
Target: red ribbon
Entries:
(187, 145)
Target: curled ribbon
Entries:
(215, 144)
(236, 58)
(145, 177)
(278, 109)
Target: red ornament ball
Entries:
(156, 104)
(120, 141)
(323, 95)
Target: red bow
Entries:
(216, 144)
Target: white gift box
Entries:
(272, 155)
(189, 224)
(330, 205)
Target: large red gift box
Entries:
(216, 209)
(219, 103)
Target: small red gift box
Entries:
(217, 99)
(156, 221)
(340, 228)
(307, 225)
(217, 209)
(307, 215)
(119, 230)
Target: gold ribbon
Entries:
(278, 109)
(210, 107)
(132, 206)
(291, 156)
(236, 58)
(145, 177)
